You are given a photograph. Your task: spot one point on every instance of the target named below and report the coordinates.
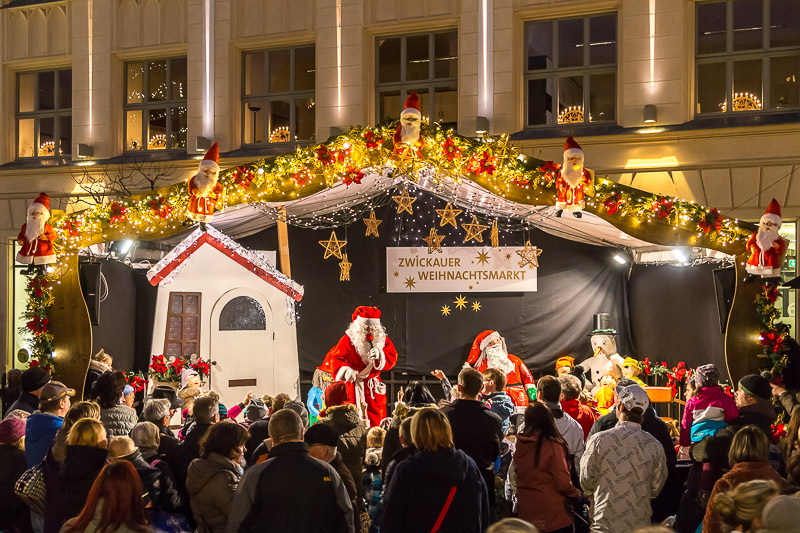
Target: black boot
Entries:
(559, 213)
(577, 215)
(202, 226)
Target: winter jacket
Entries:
(96, 369)
(391, 441)
(78, 472)
(740, 473)
(169, 499)
(352, 437)
(154, 488)
(500, 404)
(54, 493)
(26, 402)
(350, 486)
(542, 488)
(477, 431)
(622, 469)
(40, 430)
(179, 461)
(291, 491)
(583, 414)
(790, 401)
(93, 526)
(571, 431)
(12, 465)
(167, 440)
(211, 484)
(420, 487)
(652, 424)
(706, 413)
(257, 432)
(118, 420)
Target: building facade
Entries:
(696, 99)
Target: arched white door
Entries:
(242, 338)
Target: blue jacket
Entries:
(419, 489)
(502, 406)
(314, 401)
(40, 430)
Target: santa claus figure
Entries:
(574, 182)
(605, 359)
(360, 356)
(766, 247)
(204, 189)
(36, 237)
(407, 133)
(489, 351)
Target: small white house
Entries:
(232, 307)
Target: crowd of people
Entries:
(471, 462)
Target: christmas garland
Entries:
(772, 334)
(39, 289)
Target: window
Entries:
(748, 54)
(183, 324)
(426, 64)
(155, 104)
(571, 70)
(44, 113)
(278, 95)
(242, 313)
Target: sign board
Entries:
(461, 269)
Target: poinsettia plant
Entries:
(37, 326)
(137, 380)
(170, 368)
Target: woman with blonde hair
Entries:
(87, 445)
(742, 506)
(438, 488)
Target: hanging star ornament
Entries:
(449, 215)
(495, 235)
(344, 269)
(372, 225)
(434, 241)
(404, 202)
(529, 255)
(333, 246)
(474, 230)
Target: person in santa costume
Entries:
(359, 358)
(766, 247)
(36, 237)
(204, 189)
(489, 351)
(407, 133)
(574, 182)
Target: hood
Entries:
(97, 365)
(41, 426)
(450, 465)
(525, 447)
(344, 416)
(204, 469)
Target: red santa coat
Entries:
(767, 259)
(517, 381)
(201, 208)
(368, 385)
(569, 195)
(39, 251)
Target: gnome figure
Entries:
(37, 236)
(204, 189)
(407, 133)
(573, 181)
(766, 247)
(605, 359)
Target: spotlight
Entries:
(680, 255)
(621, 259)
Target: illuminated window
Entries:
(748, 56)
(571, 70)
(183, 324)
(426, 64)
(155, 104)
(278, 95)
(44, 113)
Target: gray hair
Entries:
(145, 435)
(156, 410)
(570, 386)
(285, 425)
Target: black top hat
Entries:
(168, 393)
(601, 324)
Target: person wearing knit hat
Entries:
(300, 409)
(708, 411)
(706, 376)
(13, 512)
(564, 365)
(36, 237)
(766, 246)
(753, 398)
(407, 133)
(11, 430)
(574, 182)
(780, 515)
(32, 381)
(756, 387)
(204, 189)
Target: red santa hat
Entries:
(772, 214)
(43, 200)
(367, 314)
(571, 147)
(481, 342)
(411, 106)
(211, 159)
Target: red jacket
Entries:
(40, 250)
(582, 413)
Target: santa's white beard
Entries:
(34, 226)
(765, 237)
(357, 334)
(497, 358)
(409, 133)
(571, 174)
(204, 182)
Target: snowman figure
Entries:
(605, 359)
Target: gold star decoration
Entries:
(333, 246)
(529, 256)
(404, 202)
(372, 224)
(410, 282)
(449, 215)
(445, 310)
(483, 257)
(476, 306)
(495, 235)
(344, 269)
(460, 302)
(396, 273)
(434, 241)
(474, 230)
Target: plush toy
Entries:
(565, 365)
(605, 359)
(319, 382)
(630, 370)
(190, 388)
(605, 394)
(766, 247)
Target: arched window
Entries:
(242, 313)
